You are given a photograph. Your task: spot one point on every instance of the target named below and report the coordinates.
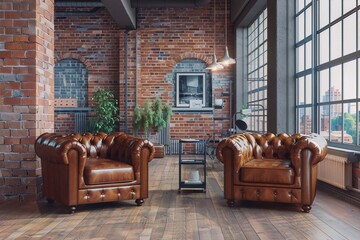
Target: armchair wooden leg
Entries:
(306, 208)
(230, 203)
(139, 202)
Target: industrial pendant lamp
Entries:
(226, 60)
(214, 65)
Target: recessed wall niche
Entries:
(193, 65)
(71, 81)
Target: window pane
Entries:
(324, 47)
(335, 41)
(308, 89)
(308, 20)
(300, 24)
(299, 5)
(358, 28)
(348, 5)
(336, 123)
(335, 83)
(308, 53)
(301, 91)
(335, 9)
(349, 35)
(324, 82)
(308, 121)
(323, 13)
(305, 120)
(350, 80)
(324, 123)
(300, 120)
(300, 59)
(358, 79)
(349, 123)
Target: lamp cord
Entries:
(225, 22)
(214, 22)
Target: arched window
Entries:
(71, 81)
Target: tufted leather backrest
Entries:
(270, 145)
(96, 144)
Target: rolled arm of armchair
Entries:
(53, 147)
(313, 142)
(240, 148)
(132, 150)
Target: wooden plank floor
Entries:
(168, 214)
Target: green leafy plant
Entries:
(147, 118)
(106, 110)
(153, 116)
(137, 119)
(91, 127)
(158, 120)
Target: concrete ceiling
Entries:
(124, 11)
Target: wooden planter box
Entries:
(159, 151)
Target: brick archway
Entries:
(60, 57)
(189, 55)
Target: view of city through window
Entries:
(327, 59)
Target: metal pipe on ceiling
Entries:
(168, 3)
(78, 4)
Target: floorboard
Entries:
(187, 214)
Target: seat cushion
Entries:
(102, 170)
(272, 171)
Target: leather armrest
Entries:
(54, 148)
(239, 146)
(132, 150)
(313, 142)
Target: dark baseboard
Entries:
(349, 196)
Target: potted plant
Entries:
(152, 116)
(106, 111)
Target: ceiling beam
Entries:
(122, 12)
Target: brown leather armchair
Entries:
(81, 169)
(271, 168)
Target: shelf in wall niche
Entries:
(198, 110)
(72, 109)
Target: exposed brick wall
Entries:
(92, 38)
(26, 93)
(164, 38)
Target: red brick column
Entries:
(26, 93)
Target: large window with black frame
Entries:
(257, 73)
(327, 69)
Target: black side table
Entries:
(194, 180)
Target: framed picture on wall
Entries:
(190, 87)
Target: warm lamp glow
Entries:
(214, 66)
(227, 60)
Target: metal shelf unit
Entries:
(184, 160)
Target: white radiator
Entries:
(335, 169)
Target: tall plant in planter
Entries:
(153, 116)
(106, 111)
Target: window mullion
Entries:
(314, 76)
